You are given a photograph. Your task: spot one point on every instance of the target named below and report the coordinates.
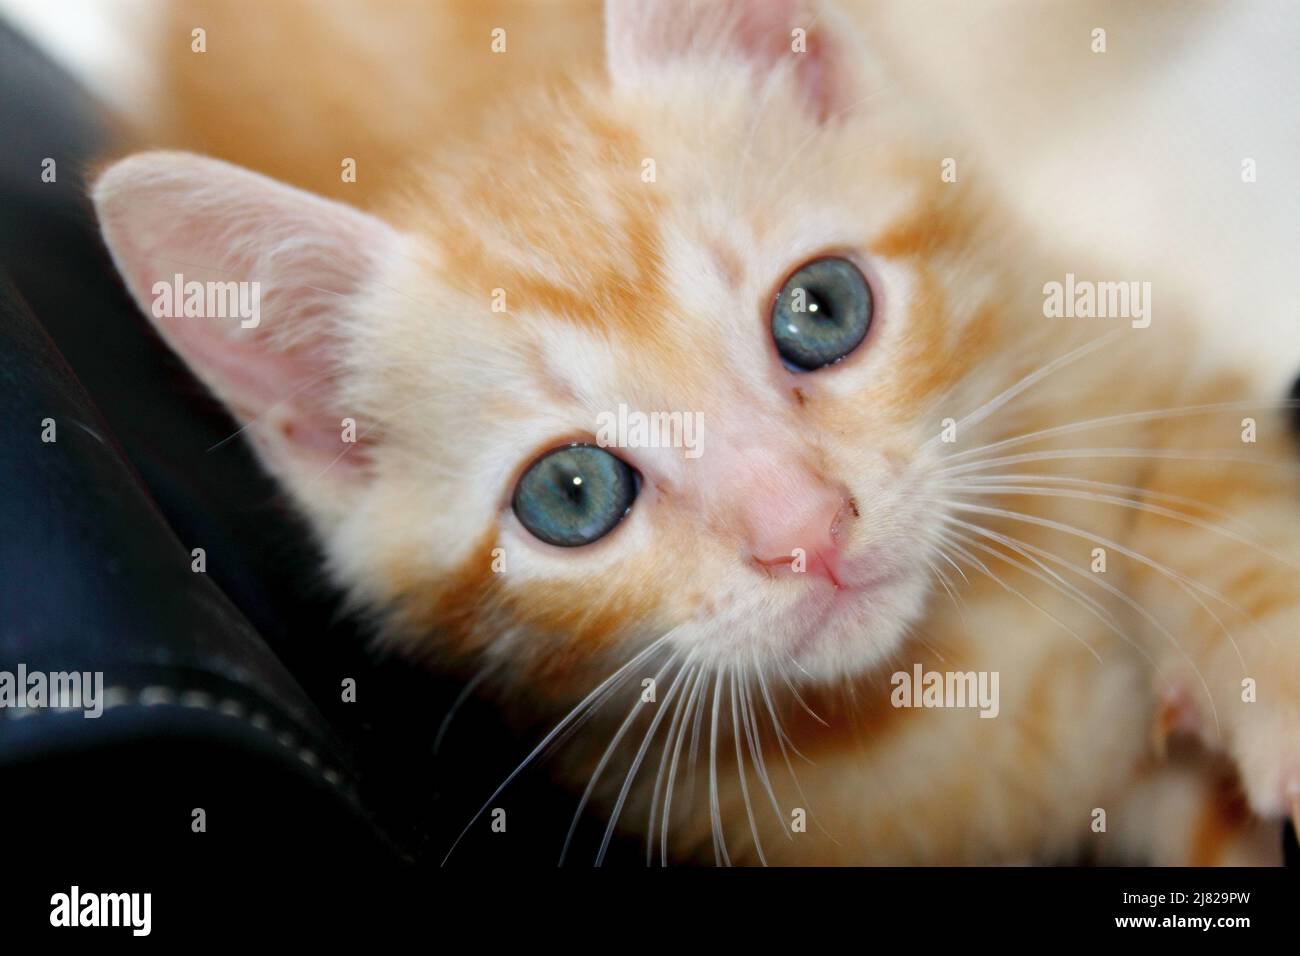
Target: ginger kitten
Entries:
(734, 215)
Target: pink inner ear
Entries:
(165, 214)
(291, 391)
(763, 33)
(641, 34)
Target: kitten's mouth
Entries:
(861, 574)
(836, 601)
(866, 584)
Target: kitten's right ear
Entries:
(280, 268)
(805, 39)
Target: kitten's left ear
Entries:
(255, 285)
(803, 38)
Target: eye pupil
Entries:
(574, 495)
(821, 314)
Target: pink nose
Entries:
(798, 532)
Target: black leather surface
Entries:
(94, 577)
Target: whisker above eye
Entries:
(775, 179)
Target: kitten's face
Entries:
(658, 297)
(634, 241)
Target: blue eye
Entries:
(574, 495)
(821, 314)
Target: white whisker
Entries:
(720, 856)
(679, 709)
(572, 715)
(749, 721)
(1033, 378)
(1113, 591)
(640, 755)
(1162, 414)
(1184, 582)
(1019, 490)
(605, 758)
(463, 696)
(1157, 454)
(695, 704)
(1020, 594)
(740, 768)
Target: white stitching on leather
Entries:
(157, 695)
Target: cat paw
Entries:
(1266, 749)
(1263, 744)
